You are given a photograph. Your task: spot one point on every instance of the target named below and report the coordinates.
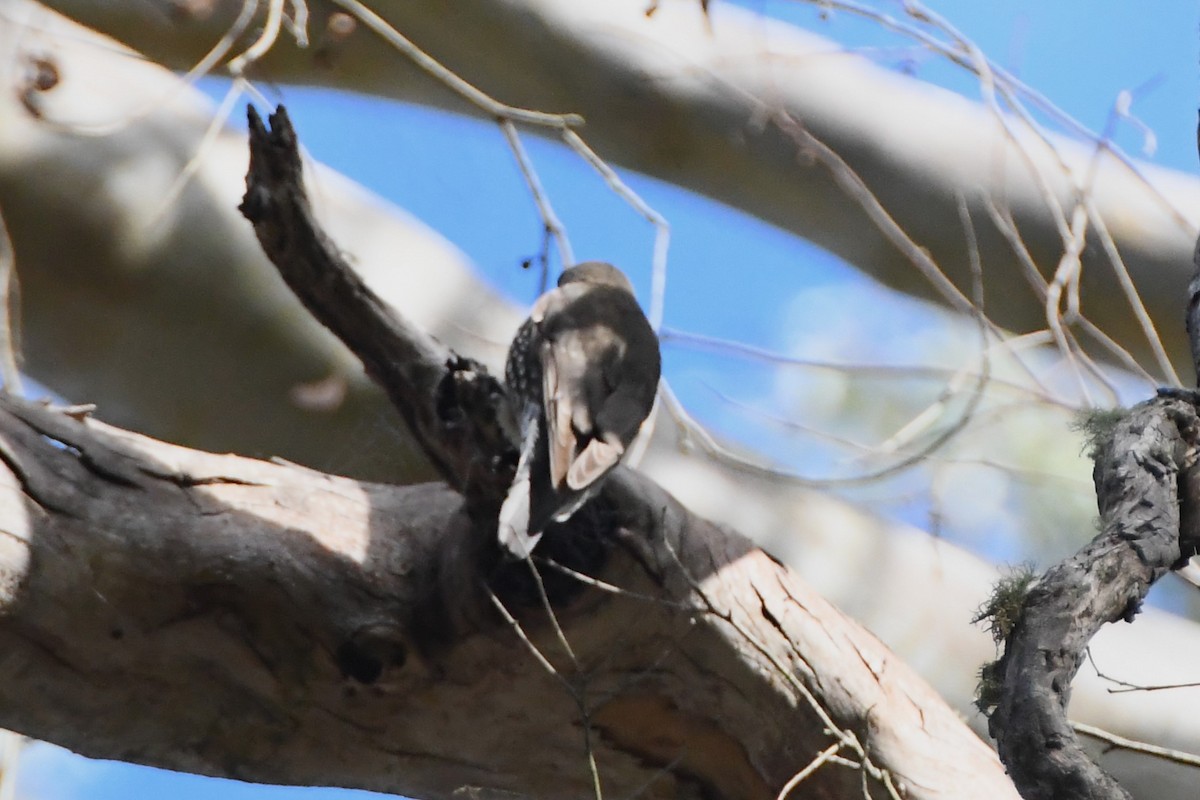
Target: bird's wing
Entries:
(563, 403)
(597, 458)
(615, 425)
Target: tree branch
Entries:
(262, 621)
(630, 512)
(1141, 467)
(915, 146)
(146, 324)
(452, 406)
(293, 627)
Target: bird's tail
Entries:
(513, 529)
(514, 519)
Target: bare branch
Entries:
(1139, 471)
(451, 404)
(266, 622)
(1111, 739)
(630, 509)
(721, 82)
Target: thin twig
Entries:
(550, 221)
(298, 24)
(854, 187)
(823, 757)
(1178, 756)
(867, 370)
(524, 637)
(435, 69)
(998, 85)
(549, 609)
(1007, 227)
(997, 82)
(237, 88)
(264, 42)
(1125, 686)
(577, 694)
(604, 586)
(1066, 278)
(662, 229)
(845, 737)
(1131, 293)
(933, 412)
(962, 52)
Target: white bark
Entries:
(182, 330)
(693, 104)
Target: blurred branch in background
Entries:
(167, 317)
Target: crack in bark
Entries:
(186, 480)
(71, 431)
(29, 486)
(277, 586)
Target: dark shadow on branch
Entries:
(263, 621)
(455, 409)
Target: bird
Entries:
(582, 375)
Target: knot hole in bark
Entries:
(370, 650)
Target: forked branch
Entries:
(266, 622)
(1148, 491)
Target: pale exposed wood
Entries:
(207, 612)
(176, 302)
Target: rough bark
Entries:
(427, 383)
(250, 605)
(1148, 494)
(1140, 472)
(175, 326)
(265, 622)
(635, 715)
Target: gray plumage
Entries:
(582, 373)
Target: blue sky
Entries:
(458, 176)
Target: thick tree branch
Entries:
(144, 310)
(266, 622)
(1148, 493)
(309, 629)
(1140, 471)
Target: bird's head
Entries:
(596, 273)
